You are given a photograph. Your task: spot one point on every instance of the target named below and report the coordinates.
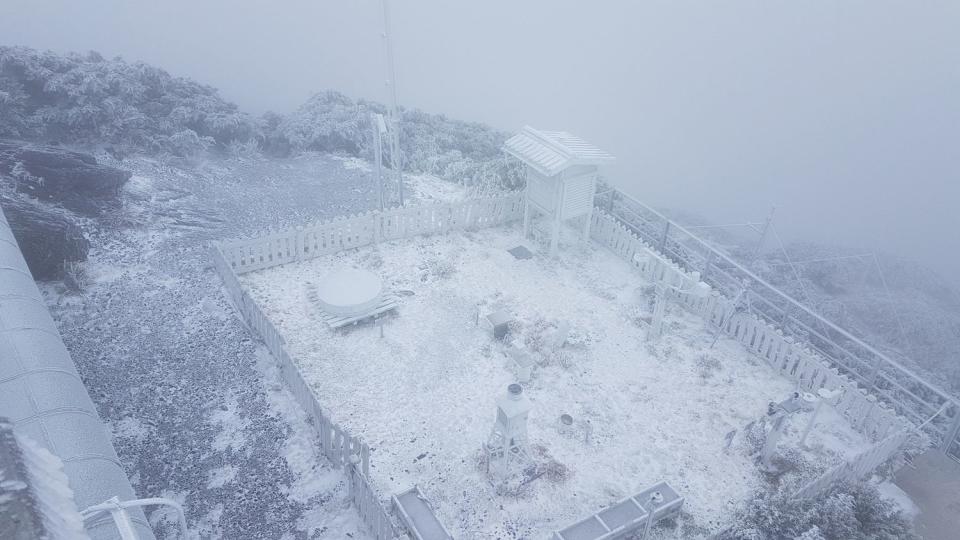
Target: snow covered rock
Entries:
(54, 174)
(48, 236)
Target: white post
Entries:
(813, 419)
(378, 153)
(770, 446)
(654, 502)
(659, 310)
(589, 217)
(122, 520)
(555, 236)
(823, 395)
(586, 226)
(557, 211)
(526, 212)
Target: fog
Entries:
(844, 115)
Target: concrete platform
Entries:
(934, 486)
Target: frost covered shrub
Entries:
(13, 107)
(327, 122)
(850, 512)
(437, 266)
(187, 143)
(707, 366)
(239, 150)
(440, 268)
(534, 335)
(464, 152)
(87, 99)
(796, 466)
(75, 277)
(546, 466)
(372, 260)
(565, 359)
(754, 436)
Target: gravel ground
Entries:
(195, 405)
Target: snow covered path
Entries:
(195, 404)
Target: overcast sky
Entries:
(844, 115)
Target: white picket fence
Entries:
(342, 449)
(782, 353)
(302, 243)
(793, 360)
(857, 468)
(233, 258)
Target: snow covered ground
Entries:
(199, 414)
(195, 404)
(423, 395)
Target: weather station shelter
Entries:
(561, 177)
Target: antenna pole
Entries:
(394, 113)
(763, 234)
(377, 122)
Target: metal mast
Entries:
(394, 112)
(379, 130)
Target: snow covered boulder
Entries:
(72, 179)
(49, 237)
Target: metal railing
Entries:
(899, 386)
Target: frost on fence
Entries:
(792, 359)
(788, 357)
(856, 468)
(359, 230)
(888, 380)
(335, 443)
(368, 505)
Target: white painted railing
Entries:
(890, 381)
(783, 354)
(786, 356)
(857, 468)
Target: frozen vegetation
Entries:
(134, 107)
